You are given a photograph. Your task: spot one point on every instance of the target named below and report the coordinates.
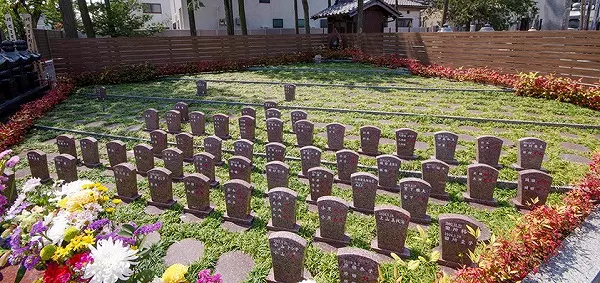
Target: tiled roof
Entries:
(350, 7)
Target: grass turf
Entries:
(124, 117)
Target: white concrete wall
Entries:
(164, 17)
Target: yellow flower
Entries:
(77, 200)
(81, 242)
(175, 274)
(117, 201)
(60, 253)
(110, 210)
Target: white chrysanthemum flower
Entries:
(308, 281)
(112, 262)
(56, 232)
(30, 185)
(157, 280)
(71, 188)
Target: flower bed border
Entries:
(536, 236)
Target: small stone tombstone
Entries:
(445, 146)
(237, 202)
(320, 181)
(117, 152)
(144, 159)
(488, 151)
(369, 140)
(296, 116)
(481, 182)
(287, 253)
(310, 157)
(275, 152)
(335, 136)
(183, 109)
(272, 113)
(278, 174)
(456, 241)
(435, 172)
(304, 130)
(212, 145)
(66, 145)
(221, 123)
(405, 144)
(388, 168)
(531, 154)
(173, 159)
(197, 123)
(269, 104)
(275, 130)
(89, 152)
(289, 91)
(173, 118)
(247, 128)
(392, 224)
(364, 191)
(101, 93)
(126, 182)
(357, 265)
(249, 111)
(158, 140)
(201, 87)
(532, 184)
(244, 148)
(66, 167)
(240, 168)
(414, 194)
(333, 212)
(197, 193)
(185, 143)
(347, 163)
(38, 165)
(283, 210)
(318, 59)
(161, 187)
(151, 120)
(204, 163)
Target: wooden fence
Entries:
(79, 55)
(574, 54)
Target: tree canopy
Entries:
(501, 14)
(125, 19)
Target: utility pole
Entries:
(396, 21)
(296, 17)
(587, 14)
(445, 14)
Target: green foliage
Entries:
(125, 17)
(49, 8)
(499, 13)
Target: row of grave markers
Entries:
(289, 90)
(530, 150)
(481, 178)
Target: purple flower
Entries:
(13, 161)
(38, 228)
(3, 179)
(147, 229)
(31, 261)
(126, 240)
(205, 277)
(98, 224)
(5, 153)
(15, 238)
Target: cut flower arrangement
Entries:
(65, 232)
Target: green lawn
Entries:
(119, 115)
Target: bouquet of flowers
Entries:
(65, 233)
(7, 185)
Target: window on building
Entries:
(323, 23)
(277, 23)
(404, 23)
(264, 1)
(152, 8)
(300, 23)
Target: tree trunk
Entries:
(445, 13)
(296, 17)
(306, 16)
(191, 17)
(68, 18)
(228, 18)
(361, 15)
(85, 18)
(111, 27)
(242, 10)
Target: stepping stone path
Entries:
(498, 130)
(469, 128)
(507, 142)
(234, 266)
(412, 124)
(319, 125)
(112, 126)
(352, 138)
(419, 108)
(464, 137)
(184, 252)
(386, 122)
(94, 124)
(386, 141)
(421, 145)
(575, 158)
(569, 135)
(151, 239)
(475, 112)
(133, 128)
(534, 133)
(574, 146)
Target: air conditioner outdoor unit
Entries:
(237, 21)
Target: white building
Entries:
(159, 9)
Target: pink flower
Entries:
(13, 161)
(5, 153)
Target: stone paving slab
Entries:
(577, 259)
(185, 252)
(234, 266)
